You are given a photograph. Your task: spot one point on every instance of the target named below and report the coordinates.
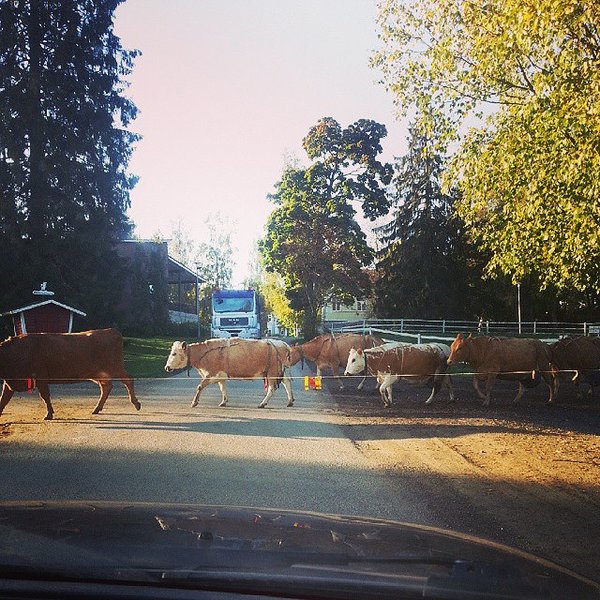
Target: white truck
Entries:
(235, 313)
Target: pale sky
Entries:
(227, 89)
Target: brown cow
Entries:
(331, 351)
(220, 359)
(39, 359)
(418, 363)
(577, 357)
(515, 359)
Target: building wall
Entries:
(44, 319)
(358, 311)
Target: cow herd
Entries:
(36, 360)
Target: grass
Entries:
(146, 357)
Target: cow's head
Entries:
(356, 362)
(459, 350)
(178, 357)
(296, 355)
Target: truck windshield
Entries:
(221, 305)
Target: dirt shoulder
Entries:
(525, 475)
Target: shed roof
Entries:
(16, 311)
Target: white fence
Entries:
(446, 330)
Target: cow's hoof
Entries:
(262, 406)
(96, 411)
(48, 417)
(223, 404)
(193, 404)
(290, 404)
(137, 406)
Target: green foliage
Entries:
(313, 240)
(147, 310)
(427, 269)
(529, 175)
(276, 302)
(64, 151)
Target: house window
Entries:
(336, 305)
(361, 305)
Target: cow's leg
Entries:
(44, 390)
(223, 389)
(555, 378)
(489, 383)
(362, 381)
(551, 382)
(450, 388)
(438, 380)
(270, 390)
(519, 393)
(7, 394)
(336, 374)
(205, 382)
(128, 383)
(477, 389)
(106, 386)
(287, 384)
(385, 389)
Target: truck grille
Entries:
(234, 321)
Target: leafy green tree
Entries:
(426, 268)
(276, 302)
(64, 150)
(529, 175)
(313, 240)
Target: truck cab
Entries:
(235, 313)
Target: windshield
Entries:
(222, 305)
(306, 265)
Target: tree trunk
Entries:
(310, 322)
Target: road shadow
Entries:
(44, 472)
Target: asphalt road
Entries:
(479, 471)
(291, 458)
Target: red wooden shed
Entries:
(44, 316)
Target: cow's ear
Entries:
(470, 336)
(459, 336)
(183, 345)
(359, 351)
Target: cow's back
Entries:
(574, 353)
(65, 356)
(512, 355)
(239, 358)
(340, 346)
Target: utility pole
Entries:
(519, 305)
(198, 299)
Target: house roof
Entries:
(37, 304)
(178, 272)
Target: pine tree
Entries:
(64, 149)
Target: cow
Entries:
(331, 351)
(218, 360)
(516, 359)
(576, 357)
(36, 360)
(418, 363)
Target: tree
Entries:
(529, 176)
(427, 268)
(212, 258)
(313, 240)
(64, 149)
(276, 302)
